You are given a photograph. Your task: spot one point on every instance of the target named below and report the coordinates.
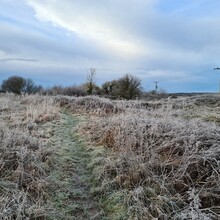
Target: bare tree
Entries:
(127, 87)
(90, 80)
(14, 84)
(18, 85)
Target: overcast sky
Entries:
(175, 42)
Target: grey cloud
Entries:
(18, 59)
(16, 43)
(174, 45)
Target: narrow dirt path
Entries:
(71, 195)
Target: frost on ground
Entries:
(25, 159)
(43, 172)
(164, 159)
(144, 159)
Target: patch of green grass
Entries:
(70, 194)
(114, 206)
(212, 118)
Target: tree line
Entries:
(126, 87)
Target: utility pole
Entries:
(218, 68)
(156, 85)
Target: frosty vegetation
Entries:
(158, 159)
(164, 155)
(25, 159)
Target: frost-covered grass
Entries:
(150, 159)
(43, 169)
(25, 159)
(164, 156)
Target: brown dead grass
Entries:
(91, 105)
(162, 162)
(25, 158)
(165, 159)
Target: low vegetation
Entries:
(163, 158)
(155, 159)
(126, 87)
(26, 160)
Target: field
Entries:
(94, 158)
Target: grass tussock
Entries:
(92, 105)
(164, 162)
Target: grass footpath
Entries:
(71, 191)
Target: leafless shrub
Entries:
(68, 91)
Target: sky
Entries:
(54, 42)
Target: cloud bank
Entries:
(176, 43)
